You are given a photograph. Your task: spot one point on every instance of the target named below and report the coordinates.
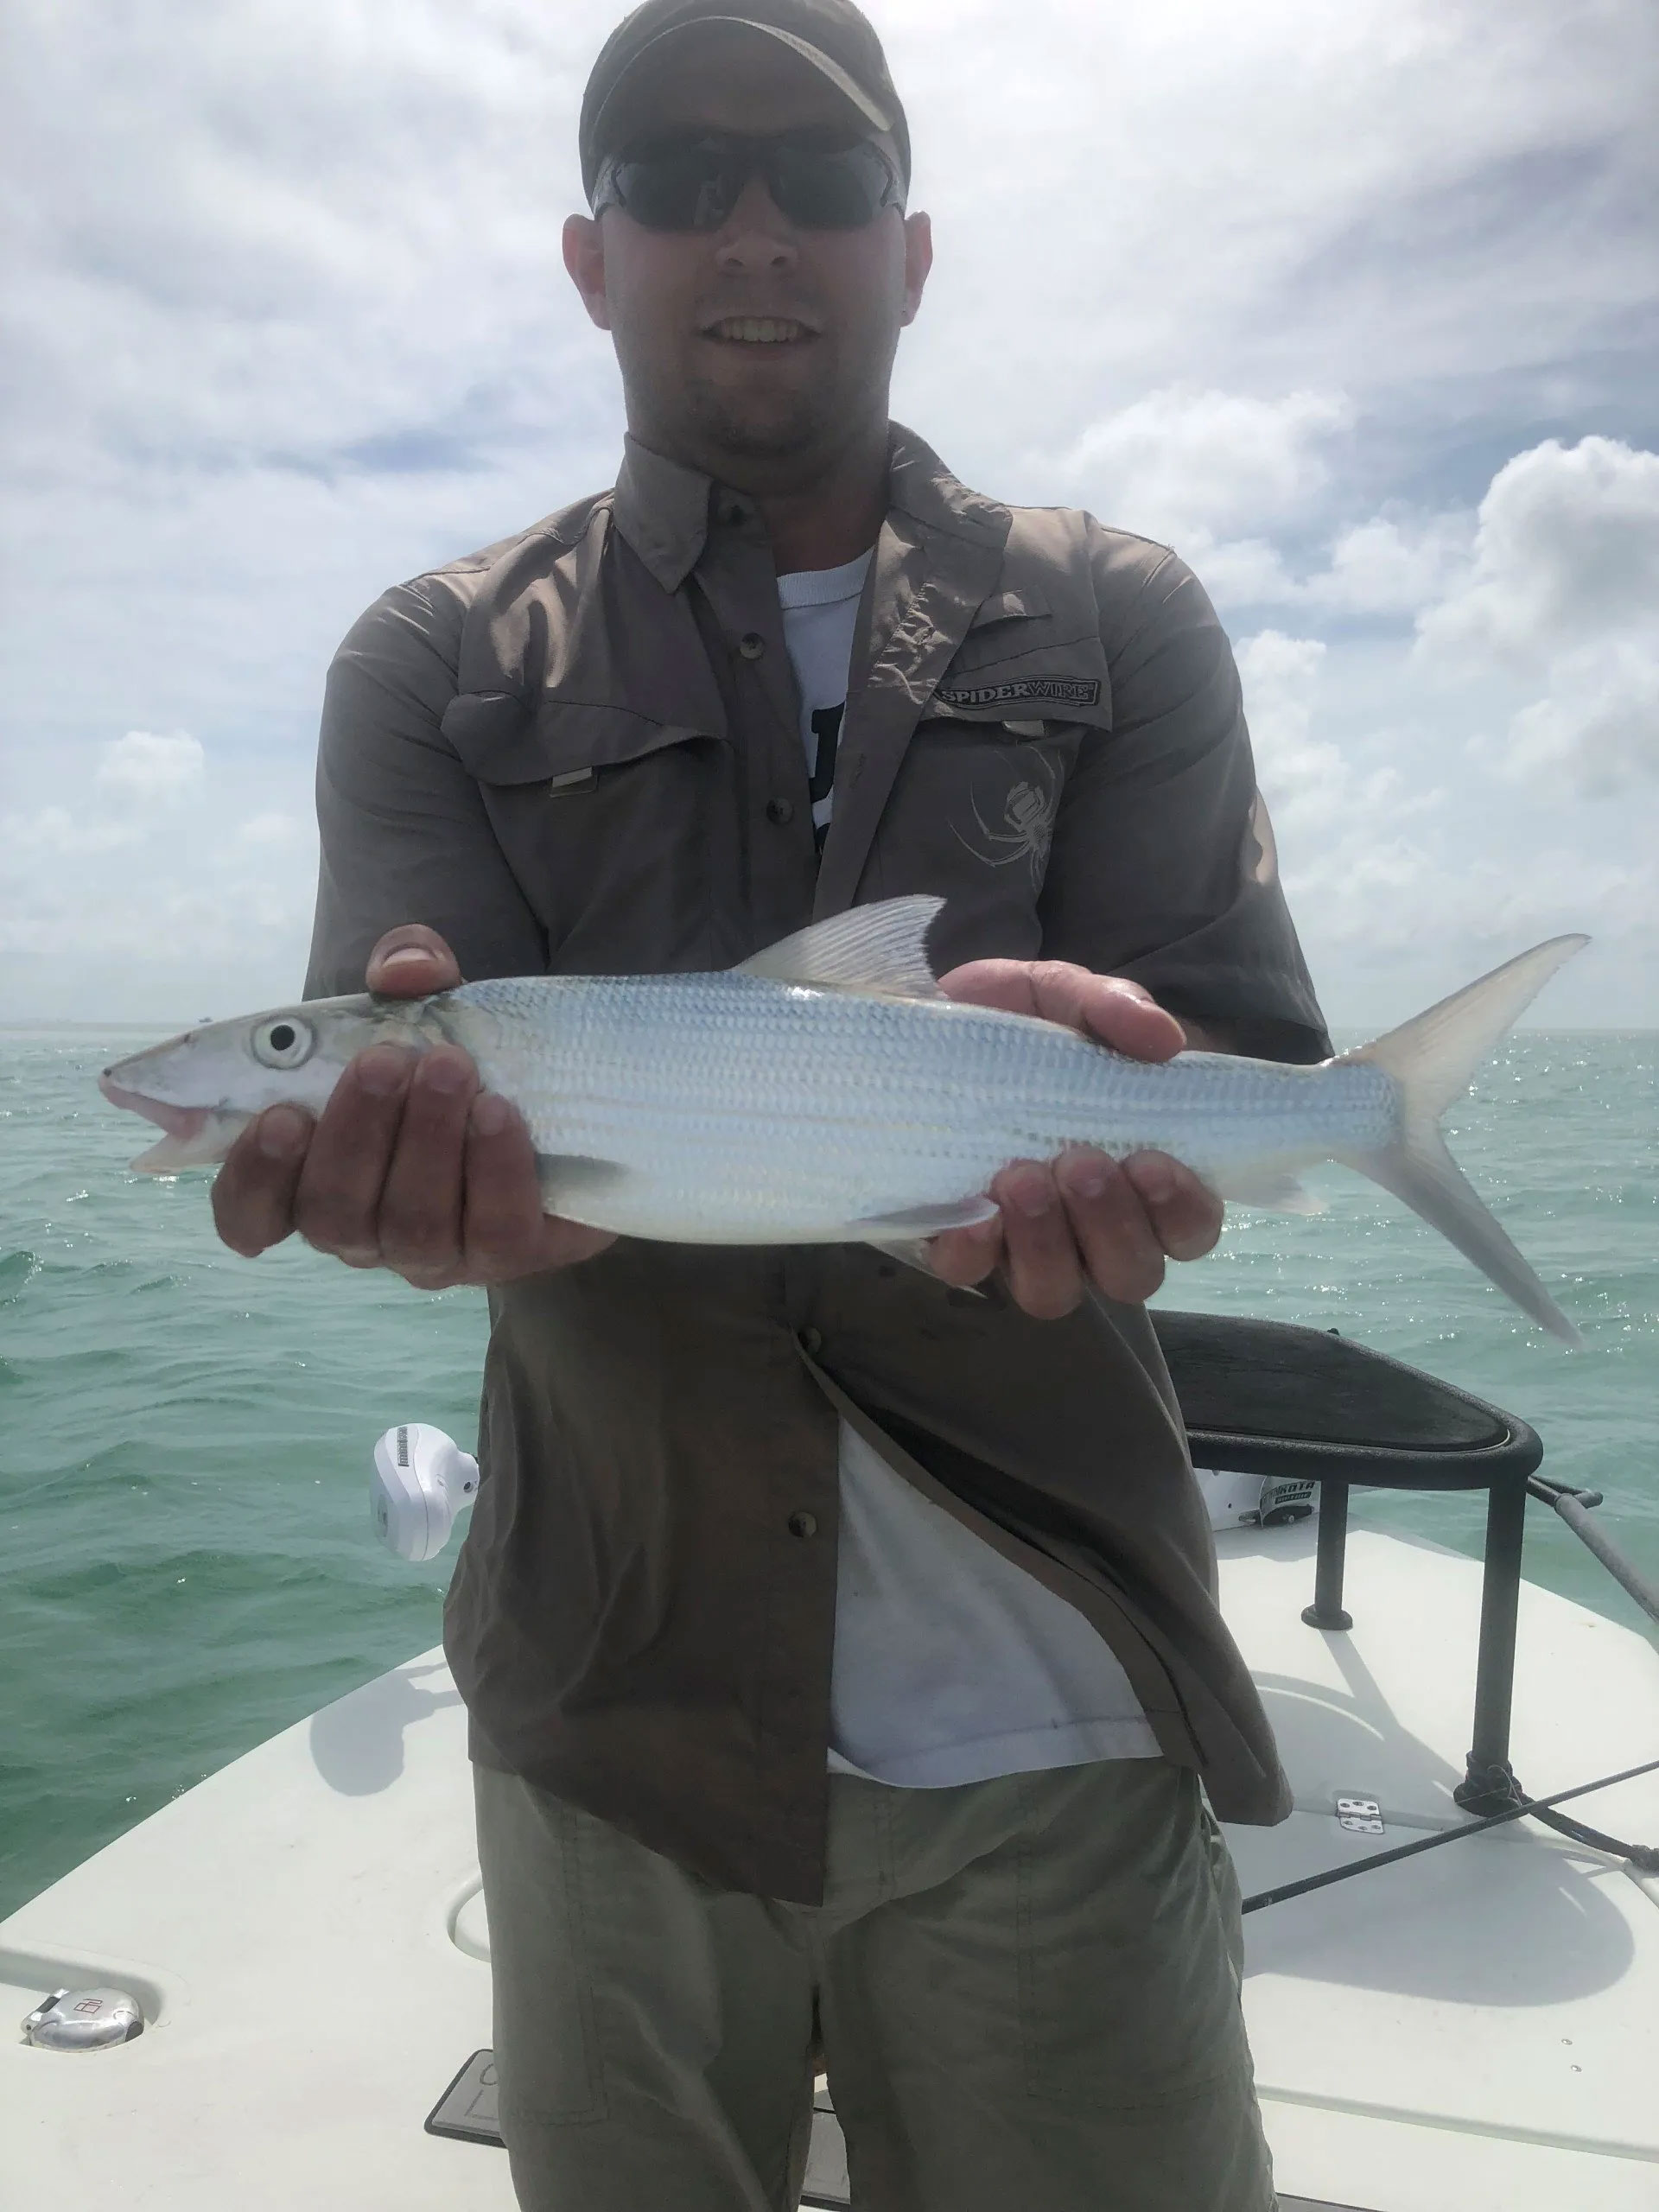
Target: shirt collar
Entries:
(664, 509)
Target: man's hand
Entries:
(1087, 1219)
(410, 1167)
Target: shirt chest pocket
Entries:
(611, 822)
(978, 796)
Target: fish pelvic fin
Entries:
(880, 950)
(1432, 1058)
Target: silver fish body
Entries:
(730, 1109)
(826, 1090)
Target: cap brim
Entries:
(876, 116)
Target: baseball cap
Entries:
(833, 36)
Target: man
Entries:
(840, 1644)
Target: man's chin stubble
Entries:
(784, 433)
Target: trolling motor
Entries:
(421, 1479)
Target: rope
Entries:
(1538, 1805)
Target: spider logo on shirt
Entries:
(1029, 813)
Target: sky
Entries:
(1354, 302)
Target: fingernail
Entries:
(1034, 1196)
(491, 1115)
(282, 1133)
(381, 1070)
(1086, 1178)
(405, 955)
(445, 1074)
(1154, 1181)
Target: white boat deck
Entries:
(1474, 2030)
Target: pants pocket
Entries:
(1128, 1994)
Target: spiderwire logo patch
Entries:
(1062, 690)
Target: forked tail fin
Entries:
(1432, 1058)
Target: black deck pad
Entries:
(466, 2110)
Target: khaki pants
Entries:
(1025, 1993)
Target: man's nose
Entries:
(756, 240)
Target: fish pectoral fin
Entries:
(912, 1252)
(903, 1236)
(881, 950)
(572, 1182)
(1272, 1193)
(915, 1224)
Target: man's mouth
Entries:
(758, 330)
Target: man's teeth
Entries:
(758, 329)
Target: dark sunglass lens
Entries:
(828, 188)
(676, 187)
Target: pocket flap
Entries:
(1009, 607)
(503, 740)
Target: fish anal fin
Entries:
(881, 949)
(1272, 1192)
(572, 1182)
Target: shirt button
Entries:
(812, 1342)
(752, 645)
(779, 811)
(802, 1524)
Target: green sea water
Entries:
(186, 1560)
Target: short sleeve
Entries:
(1163, 865)
(405, 837)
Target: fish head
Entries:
(204, 1087)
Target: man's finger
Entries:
(338, 1203)
(1120, 1246)
(411, 961)
(1045, 1273)
(506, 1233)
(1184, 1214)
(1117, 1012)
(419, 1219)
(253, 1191)
(963, 1257)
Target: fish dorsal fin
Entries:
(881, 949)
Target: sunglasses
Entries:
(820, 181)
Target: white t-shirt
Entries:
(951, 1664)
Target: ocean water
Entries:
(186, 1560)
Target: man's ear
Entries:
(919, 259)
(584, 256)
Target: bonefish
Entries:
(826, 1090)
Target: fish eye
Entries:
(285, 1043)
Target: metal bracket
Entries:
(1360, 1816)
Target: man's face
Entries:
(760, 350)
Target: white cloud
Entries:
(275, 832)
(1391, 564)
(1563, 584)
(145, 770)
(53, 832)
(1598, 725)
(1566, 555)
(1183, 464)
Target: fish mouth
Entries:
(181, 1121)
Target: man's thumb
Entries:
(410, 963)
